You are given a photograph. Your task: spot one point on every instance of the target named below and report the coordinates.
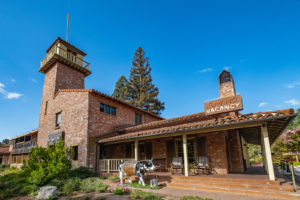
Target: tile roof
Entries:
(95, 92)
(197, 121)
(4, 149)
(66, 44)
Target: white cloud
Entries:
(9, 95)
(13, 95)
(263, 104)
(293, 102)
(292, 85)
(205, 70)
(33, 80)
(227, 68)
(13, 80)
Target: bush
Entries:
(71, 185)
(46, 163)
(193, 198)
(120, 190)
(139, 194)
(81, 172)
(92, 185)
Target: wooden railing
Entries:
(111, 165)
(67, 55)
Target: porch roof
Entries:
(248, 124)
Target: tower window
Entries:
(102, 107)
(107, 109)
(138, 119)
(58, 120)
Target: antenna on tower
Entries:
(67, 27)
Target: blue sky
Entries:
(188, 42)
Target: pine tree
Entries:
(141, 92)
(120, 88)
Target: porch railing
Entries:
(111, 165)
(67, 55)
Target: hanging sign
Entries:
(224, 105)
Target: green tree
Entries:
(5, 142)
(120, 88)
(296, 122)
(141, 92)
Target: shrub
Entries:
(92, 185)
(47, 163)
(71, 185)
(70, 198)
(139, 194)
(120, 190)
(81, 172)
(193, 198)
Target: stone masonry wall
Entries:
(216, 146)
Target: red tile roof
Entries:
(194, 122)
(95, 92)
(4, 149)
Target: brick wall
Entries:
(101, 123)
(235, 152)
(81, 121)
(73, 107)
(216, 146)
(159, 148)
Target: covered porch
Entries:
(215, 147)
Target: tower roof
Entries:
(70, 46)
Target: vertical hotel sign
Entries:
(228, 104)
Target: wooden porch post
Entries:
(267, 152)
(185, 155)
(136, 149)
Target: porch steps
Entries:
(239, 186)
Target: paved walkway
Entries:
(177, 193)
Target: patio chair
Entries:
(176, 164)
(201, 166)
(160, 164)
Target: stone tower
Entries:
(226, 85)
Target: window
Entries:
(58, 120)
(107, 108)
(113, 111)
(138, 119)
(102, 107)
(75, 151)
(46, 106)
